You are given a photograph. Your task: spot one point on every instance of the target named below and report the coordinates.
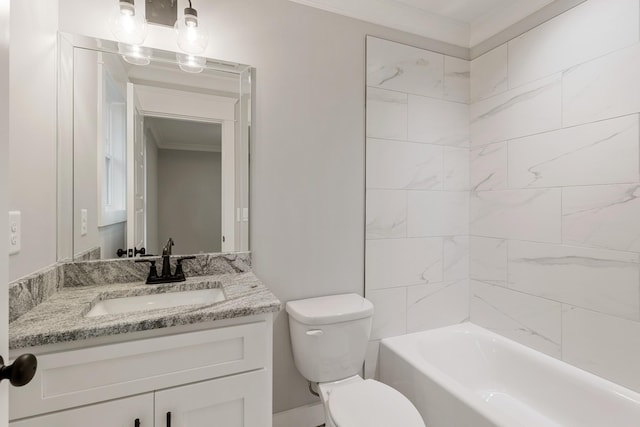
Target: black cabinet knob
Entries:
(21, 371)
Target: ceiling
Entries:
(173, 134)
(463, 23)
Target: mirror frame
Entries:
(65, 129)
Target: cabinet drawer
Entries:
(117, 413)
(73, 378)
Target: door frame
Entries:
(135, 140)
(4, 204)
(174, 104)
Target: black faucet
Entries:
(166, 256)
(166, 276)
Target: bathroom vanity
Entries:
(193, 364)
(203, 355)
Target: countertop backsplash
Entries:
(30, 291)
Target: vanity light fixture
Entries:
(127, 26)
(191, 37)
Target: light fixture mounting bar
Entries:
(161, 12)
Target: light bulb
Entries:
(127, 26)
(191, 63)
(133, 54)
(190, 36)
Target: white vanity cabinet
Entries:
(220, 376)
(227, 402)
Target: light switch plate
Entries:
(15, 232)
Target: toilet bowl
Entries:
(329, 336)
(356, 402)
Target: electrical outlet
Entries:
(15, 232)
(83, 222)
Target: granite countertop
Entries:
(61, 318)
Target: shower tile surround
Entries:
(417, 182)
(552, 169)
(28, 292)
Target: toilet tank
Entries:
(329, 335)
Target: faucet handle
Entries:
(153, 271)
(179, 272)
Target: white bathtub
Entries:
(465, 375)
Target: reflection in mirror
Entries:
(150, 152)
(180, 156)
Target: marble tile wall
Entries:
(417, 190)
(554, 170)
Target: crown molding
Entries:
(531, 21)
(210, 148)
(481, 35)
(399, 16)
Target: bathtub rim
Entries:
(401, 342)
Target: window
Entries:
(112, 162)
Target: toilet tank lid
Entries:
(330, 309)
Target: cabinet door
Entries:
(236, 401)
(117, 413)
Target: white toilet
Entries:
(329, 337)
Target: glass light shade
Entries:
(191, 63)
(133, 54)
(127, 26)
(190, 36)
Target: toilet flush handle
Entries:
(315, 332)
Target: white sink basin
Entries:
(156, 301)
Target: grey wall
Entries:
(189, 208)
(308, 156)
(111, 237)
(307, 162)
(32, 132)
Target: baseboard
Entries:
(302, 416)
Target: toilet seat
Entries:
(370, 403)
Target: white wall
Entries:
(417, 198)
(151, 199)
(555, 172)
(32, 127)
(307, 162)
(190, 179)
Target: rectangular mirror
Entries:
(151, 145)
